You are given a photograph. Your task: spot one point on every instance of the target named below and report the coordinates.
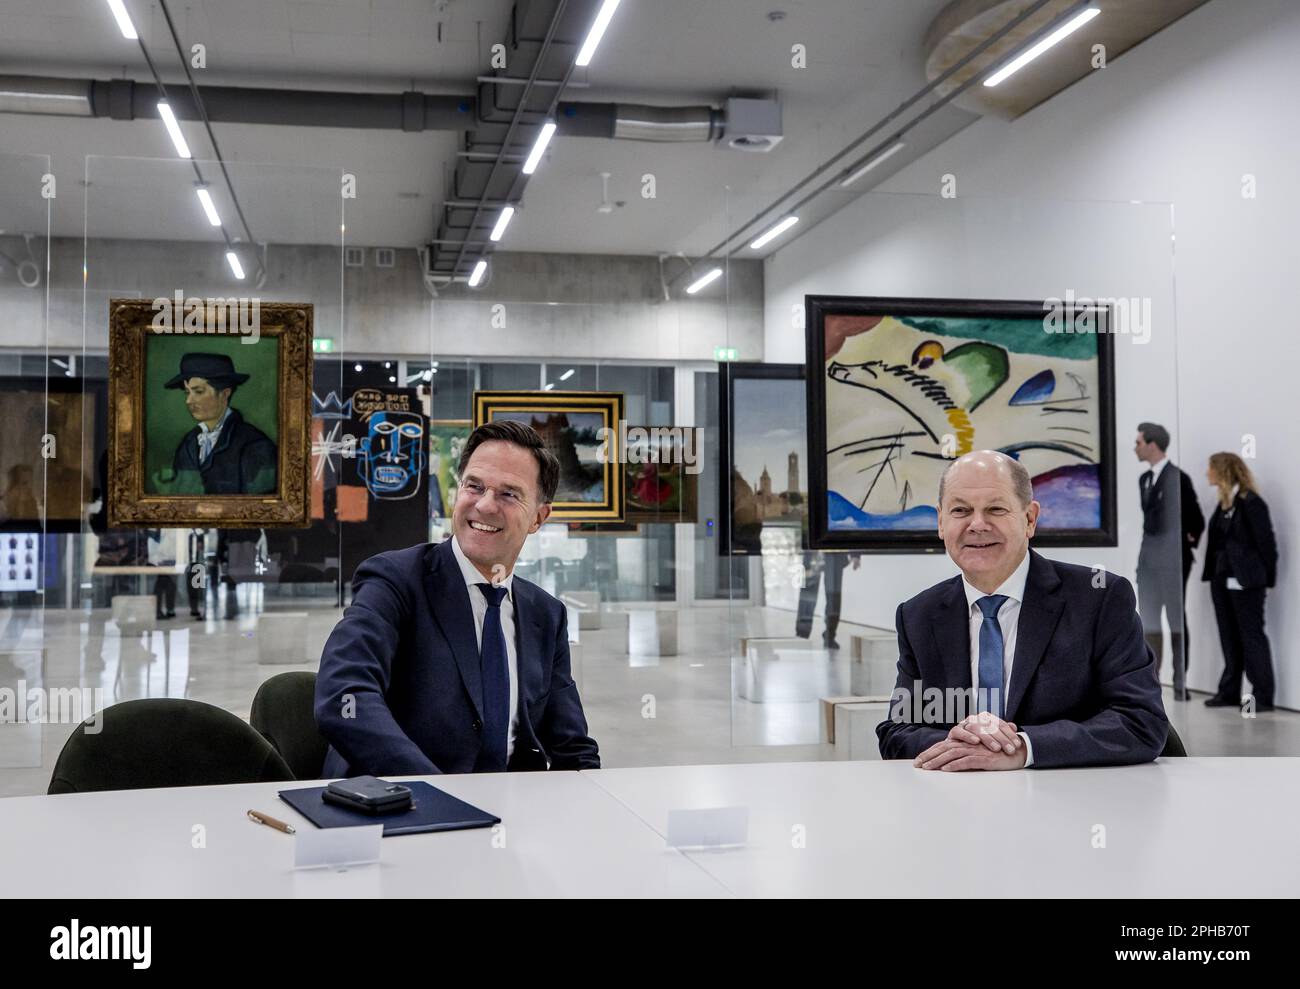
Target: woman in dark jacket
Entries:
(1240, 564)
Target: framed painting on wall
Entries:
(209, 413)
(659, 487)
(446, 441)
(899, 388)
(578, 427)
(763, 454)
(57, 428)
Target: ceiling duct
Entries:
(125, 99)
(667, 123)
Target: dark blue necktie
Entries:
(990, 693)
(495, 666)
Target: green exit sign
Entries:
(724, 353)
(322, 345)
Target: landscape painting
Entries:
(764, 456)
(574, 426)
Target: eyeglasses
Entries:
(476, 491)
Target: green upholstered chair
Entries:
(1173, 745)
(164, 742)
(283, 711)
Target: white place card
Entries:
(316, 848)
(708, 827)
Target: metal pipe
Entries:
(125, 99)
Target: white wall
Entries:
(1178, 120)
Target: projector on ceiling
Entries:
(752, 125)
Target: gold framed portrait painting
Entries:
(209, 412)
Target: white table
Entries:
(869, 829)
(563, 836)
(1174, 828)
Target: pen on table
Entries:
(270, 822)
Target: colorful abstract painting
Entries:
(902, 387)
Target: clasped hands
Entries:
(979, 741)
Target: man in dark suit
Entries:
(832, 564)
(1172, 524)
(223, 454)
(446, 662)
(1019, 661)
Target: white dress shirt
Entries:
(479, 603)
(1156, 468)
(1233, 584)
(208, 437)
(1008, 620)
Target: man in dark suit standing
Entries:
(1172, 524)
(223, 454)
(446, 662)
(1019, 661)
(832, 564)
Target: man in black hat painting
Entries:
(223, 454)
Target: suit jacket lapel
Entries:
(452, 612)
(1039, 613)
(190, 449)
(227, 431)
(952, 637)
(528, 652)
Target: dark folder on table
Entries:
(431, 810)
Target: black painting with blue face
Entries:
(392, 462)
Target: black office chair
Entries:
(1173, 745)
(283, 711)
(164, 742)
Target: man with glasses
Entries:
(446, 662)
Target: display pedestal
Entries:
(135, 610)
(855, 730)
(587, 604)
(873, 645)
(281, 638)
(652, 633)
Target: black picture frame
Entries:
(818, 307)
(730, 542)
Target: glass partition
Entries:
(44, 422)
(204, 610)
(707, 623)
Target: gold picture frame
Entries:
(582, 468)
(146, 339)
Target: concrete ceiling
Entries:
(863, 58)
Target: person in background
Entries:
(1240, 565)
(162, 554)
(1172, 524)
(833, 565)
(196, 574)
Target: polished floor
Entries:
(712, 702)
